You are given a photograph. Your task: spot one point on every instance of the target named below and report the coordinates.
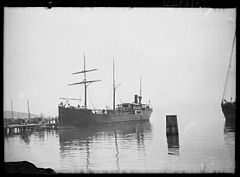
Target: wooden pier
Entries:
(18, 129)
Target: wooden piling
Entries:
(171, 125)
(172, 134)
(173, 141)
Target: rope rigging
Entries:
(108, 100)
(90, 97)
(230, 62)
(232, 87)
(119, 97)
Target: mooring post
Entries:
(172, 134)
(171, 125)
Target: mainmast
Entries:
(12, 109)
(85, 84)
(84, 81)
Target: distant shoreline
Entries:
(16, 114)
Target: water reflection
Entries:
(229, 133)
(173, 144)
(81, 139)
(40, 135)
(117, 151)
(229, 126)
(25, 137)
(88, 154)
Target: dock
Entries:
(18, 128)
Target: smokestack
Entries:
(135, 98)
(140, 98)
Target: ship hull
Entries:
(75, 117)
(229, 111)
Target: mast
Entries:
(84, 80)
(85, 85)
(12, 109)
(113, 88)
(229, 67)
(140, 87)
(29, 115)
(140, 97)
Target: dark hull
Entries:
(77, 117)
(229, 111)
(74, 117)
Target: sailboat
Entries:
(81, 115)
(229, 106)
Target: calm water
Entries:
(206, 144)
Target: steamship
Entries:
(81, 115)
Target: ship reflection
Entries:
(173, 145)
(229, 126)
(229, 133)
(117, 150)
(25, 137)
(82, 138)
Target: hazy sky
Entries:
(181, 54)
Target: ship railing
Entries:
(72, 106)
(105, 111)
(100, 111)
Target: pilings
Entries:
(172, 134)
(171, 125)
(18, 129)
(21, 128)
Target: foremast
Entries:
(85, 81)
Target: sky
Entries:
(182, 56)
